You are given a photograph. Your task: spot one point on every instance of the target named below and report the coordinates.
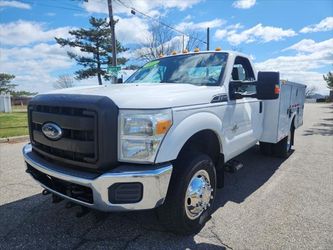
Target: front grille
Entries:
(79, 126)
(89, 130)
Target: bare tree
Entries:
(156, 43)
(310, 91)
(64, 81)
(163, 40)
(194, 40)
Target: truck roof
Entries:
(235, 53)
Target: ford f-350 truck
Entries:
(161, 139)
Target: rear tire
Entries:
(265, 148)
(191, 194)
(283, 148)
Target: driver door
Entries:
(244, 117)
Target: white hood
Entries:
(148, 96)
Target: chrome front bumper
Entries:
(155, 181)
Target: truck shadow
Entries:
(36, 222)
(256, 172)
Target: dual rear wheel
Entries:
(281, 149)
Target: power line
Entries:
(52, 6)
(71, 7)
(157, 20)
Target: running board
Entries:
(233, 166)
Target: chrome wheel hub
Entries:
(198, 195)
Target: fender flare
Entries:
(293, 116)
(181, 132)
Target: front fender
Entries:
(182, 130)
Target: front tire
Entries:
(191, 194)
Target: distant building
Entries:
(316, 98)
(5, 105)
(21, 100)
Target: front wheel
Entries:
(191, 193)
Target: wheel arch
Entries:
(205, 141)
(292, 120)
(179, 136)
(292, 128)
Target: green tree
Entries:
(20, 93)
(5, 83)
(132, 67)
(329, 80)
(96, 44)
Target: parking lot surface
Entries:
(269, 204)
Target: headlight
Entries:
(141, 133)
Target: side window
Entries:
(238, 73)
(242, 71)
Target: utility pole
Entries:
(113, 37)
(207, 42)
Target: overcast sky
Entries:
(294, 37)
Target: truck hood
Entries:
(147, 96)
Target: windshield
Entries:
(198, 69)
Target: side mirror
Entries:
(240, 89)
(268, 85)
(120, 80)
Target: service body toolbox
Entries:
(281, 113)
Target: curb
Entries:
(15, 139)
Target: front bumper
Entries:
(154, 180)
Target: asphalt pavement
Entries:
(269, 204)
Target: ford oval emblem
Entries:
(52, 131)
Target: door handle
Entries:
(235, 128)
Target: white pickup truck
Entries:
(161, 139)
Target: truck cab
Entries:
(161, 139)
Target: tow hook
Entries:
(56, 199)
(45, 192)
(70, 204)
(83, 212)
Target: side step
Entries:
(233, 166)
